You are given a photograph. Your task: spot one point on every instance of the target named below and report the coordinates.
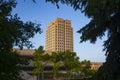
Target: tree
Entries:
(71, 62)
(104, 15)
(13, 32)
(38, 62)
(86, 71)
(11, 65)
(68, 60)
(56, 59)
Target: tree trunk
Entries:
(54, 76)
(38, 77)
(42, 75)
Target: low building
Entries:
(27, 69)
(96, 65)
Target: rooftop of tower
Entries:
(57, 19)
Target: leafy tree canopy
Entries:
(13, 32)
(38, 60)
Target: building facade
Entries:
(27, 70)
(96, 65)
(59, 35)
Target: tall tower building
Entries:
(59, 35)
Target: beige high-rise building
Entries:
(59, 35)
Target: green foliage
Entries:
(71, 61)
(74, 3)
(86, 71)
(105, 18)
(38, 61)
(11, 64)
(13, 32)
(66, 59)
(56, 59)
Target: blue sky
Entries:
(44, 13)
